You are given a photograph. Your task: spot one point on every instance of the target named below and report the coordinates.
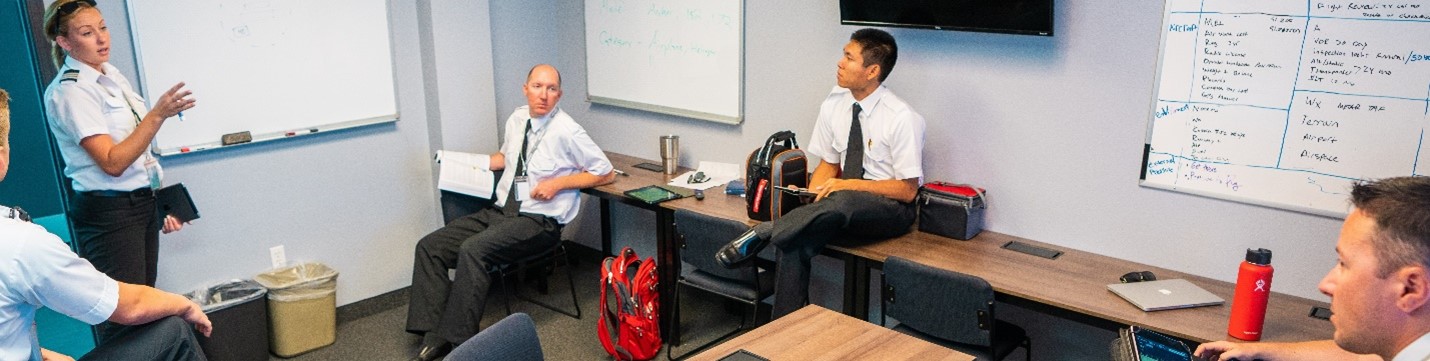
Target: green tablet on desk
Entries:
(654, 194)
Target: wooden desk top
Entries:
(636, 177)
(716, 202)
(1077, 281)
(816, 333)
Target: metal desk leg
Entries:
(668, 258)
(606, 228)
(856, 287)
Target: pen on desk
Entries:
(619, 172)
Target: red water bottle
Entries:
(1253, 288)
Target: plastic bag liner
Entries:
(226, 294)
(302, 282)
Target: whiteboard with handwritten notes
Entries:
(680, 57)
(1287, 103)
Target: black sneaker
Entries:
(741, 250)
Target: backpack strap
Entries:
(606, 323)
(785, 136)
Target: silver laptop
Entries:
(1164, 294)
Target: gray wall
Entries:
(1053, 127)
(356, 200)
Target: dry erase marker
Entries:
(181, 116)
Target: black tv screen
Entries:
(1031, 17)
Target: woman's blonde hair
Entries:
(57, 18)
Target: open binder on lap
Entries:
(465, 173)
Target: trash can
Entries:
(240, 320)
(302, 307)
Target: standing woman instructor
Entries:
(104, 133)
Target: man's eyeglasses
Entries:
(698, 177)
(71, 7)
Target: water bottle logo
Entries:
(1260, 285)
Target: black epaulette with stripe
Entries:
(70, 75)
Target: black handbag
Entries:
(951, 210)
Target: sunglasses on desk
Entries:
(698, 177)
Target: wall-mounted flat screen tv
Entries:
(1030, 17)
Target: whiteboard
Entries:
(680, 57)
(275, 69)
(1287, 103)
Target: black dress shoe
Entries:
(432, 353)
(741, 250)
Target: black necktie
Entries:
(513, 206)
(854, 155)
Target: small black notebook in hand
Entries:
(174, 200)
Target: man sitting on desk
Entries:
(40, 271)
(1379, 288)
(879, 140)
(548, 158)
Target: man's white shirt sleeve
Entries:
(57, 278)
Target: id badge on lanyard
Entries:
(523, 188)
(151, 164)
(151, 168)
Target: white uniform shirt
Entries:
(557, 147)
(1416, 351)
(893, 134)
(39, 270)
(93, 104)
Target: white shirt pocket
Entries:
(879, 151)
(118, 112)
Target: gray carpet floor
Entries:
(378, 333)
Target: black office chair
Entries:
(548, 260)
(455, 205)
(948, 308)
(701, 236)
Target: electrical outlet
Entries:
(276, 254)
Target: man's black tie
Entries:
(854, 155)
(513, 206)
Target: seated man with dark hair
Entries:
(869, 144)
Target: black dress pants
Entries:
(453, 308)
(168, 338)
(841, 217)
(120, 236)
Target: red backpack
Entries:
(630, 331)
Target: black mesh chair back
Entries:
(948, 308)
(701, 237)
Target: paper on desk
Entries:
(718, 174)
(465, 173)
